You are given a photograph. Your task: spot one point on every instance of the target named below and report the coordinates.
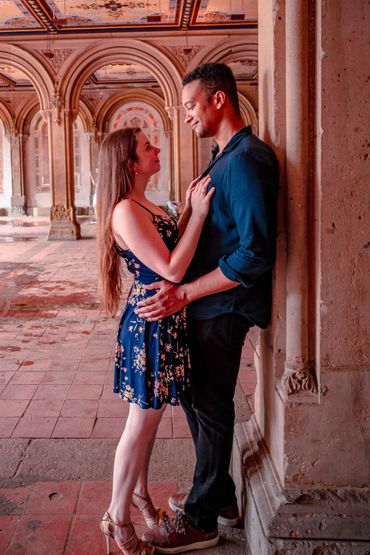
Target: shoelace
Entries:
(175, 525)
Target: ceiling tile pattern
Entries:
(15, 16)
(66, 16)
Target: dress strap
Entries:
(142, 206)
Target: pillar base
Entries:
(300, 521)
(64, 231)
(63, 224)
(17, 206)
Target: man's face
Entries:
(200, 109)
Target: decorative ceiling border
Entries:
(186, 20)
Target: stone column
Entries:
(175, 146)
(63, 223)
(297, 378)
(303, 458)
(18, 200)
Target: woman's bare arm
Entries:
(133, 227)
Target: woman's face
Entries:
(147, 162)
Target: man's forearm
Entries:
(213, 282)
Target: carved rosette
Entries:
(61, 214)
(298, 379)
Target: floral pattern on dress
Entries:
(152, 362)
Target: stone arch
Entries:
(227, 51)
(25, 115)
(86, 117)
(7, 119)
(248, 112)
(115, 101)
(85, 62)
(32, 66)
(154, 120)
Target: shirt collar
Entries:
(244, 132)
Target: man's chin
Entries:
(201, 133)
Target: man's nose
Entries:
(187, 118)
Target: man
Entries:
(228, 286)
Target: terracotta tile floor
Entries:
(56, 358)
(64, 515)
(56, 346)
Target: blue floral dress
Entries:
(152, 363)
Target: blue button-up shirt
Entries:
(239, 234)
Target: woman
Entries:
(152, 359)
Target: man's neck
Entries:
(227, 129)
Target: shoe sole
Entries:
(183, 548)
(227, 521)
(220, 520)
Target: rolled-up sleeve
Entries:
(251, 196)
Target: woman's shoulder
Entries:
(126, 206)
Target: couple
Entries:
(217, 260)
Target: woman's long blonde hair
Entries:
(116, 181)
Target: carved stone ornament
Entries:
(297, 378)
(57, 104)
(185, 54)
(57, 56)
(61, 213)
(172, 111)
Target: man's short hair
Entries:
(215, 77)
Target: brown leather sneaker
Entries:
(228, 516)
(177, 535)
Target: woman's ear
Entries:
(131, 166)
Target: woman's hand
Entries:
(189, 191)
(200, 199)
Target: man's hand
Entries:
(169, 299)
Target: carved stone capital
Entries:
(61, 213)
(297, 379)
(172, 111)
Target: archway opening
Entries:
(127, 94)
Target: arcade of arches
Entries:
(301, 462)
(76, 97)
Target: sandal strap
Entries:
(141, 502)
(131, 544)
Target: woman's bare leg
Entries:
(141, 487)
(132, 458)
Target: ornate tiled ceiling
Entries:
(10, 78)
(68, 16)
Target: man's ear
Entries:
(219, 98)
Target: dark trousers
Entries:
(215, 350)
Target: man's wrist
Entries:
(187, 292)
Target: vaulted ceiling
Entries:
(60, 19)
(89, 16)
